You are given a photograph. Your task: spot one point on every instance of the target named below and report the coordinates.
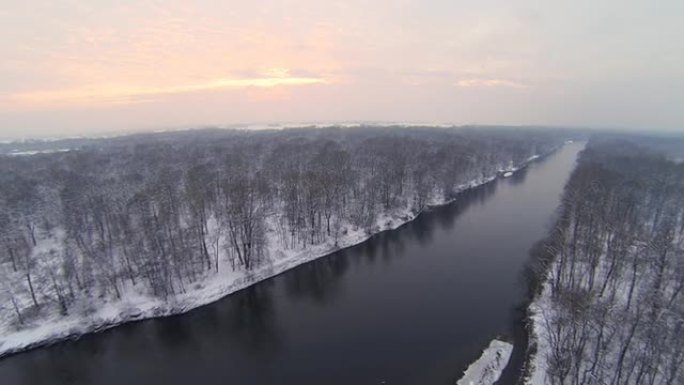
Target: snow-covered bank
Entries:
(487, 369)
(135, 306)
(538, 348)
(606, 308)
(36, 152)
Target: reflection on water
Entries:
(253, 321)
(411, 306)
(319, 280)
(520, 175)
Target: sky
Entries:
(73, 67)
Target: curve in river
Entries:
(410, 306)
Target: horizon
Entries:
(275, 126)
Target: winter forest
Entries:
(159, 215)
(611, 309)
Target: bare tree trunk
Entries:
(30, 284)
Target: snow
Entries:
(136, 305)
(511, 168)
(34, 152)
(487, 369)
(345, 124)
(539, 336)
(542, 311)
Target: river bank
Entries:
(532, 369)
(136, 307)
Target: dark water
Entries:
(412, 306)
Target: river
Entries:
(411, 306)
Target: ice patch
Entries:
(487, 369)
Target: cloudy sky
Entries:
(84, 67)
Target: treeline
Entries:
(157, 214)
(615, 268)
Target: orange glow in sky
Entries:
(115, 94)
(80, 67)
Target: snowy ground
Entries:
(136, 306)
(538, 336)
(487, 369)
(542, 311)
(35, 152)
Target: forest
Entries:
(610, 309)
(156, 215)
